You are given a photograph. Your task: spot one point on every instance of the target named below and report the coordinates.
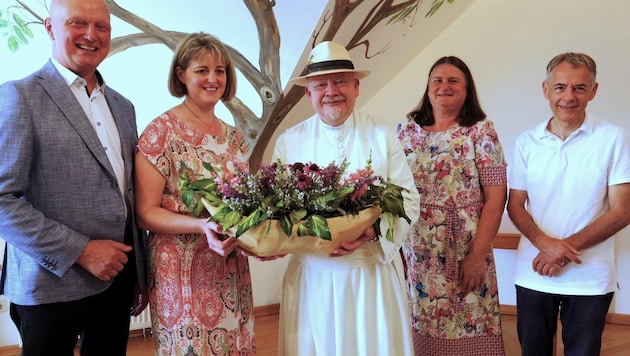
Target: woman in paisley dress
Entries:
(200, 292)
(460, 172)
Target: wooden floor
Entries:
(616, 340)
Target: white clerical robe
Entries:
(355, 304)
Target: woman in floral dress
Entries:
(460, 172)
(199, 284)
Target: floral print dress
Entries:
(200, 303)
(450, 169)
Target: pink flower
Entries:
(303, 181)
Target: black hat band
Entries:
(328, 65)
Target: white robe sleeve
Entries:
(399, 173)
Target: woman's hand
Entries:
(471, 273)
(218, 242)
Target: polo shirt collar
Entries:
(586, 127)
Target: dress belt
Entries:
(454, 227)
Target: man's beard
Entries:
(332, 113)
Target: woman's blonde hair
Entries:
(192, 47)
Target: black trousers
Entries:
(583, 320)
(101, 321)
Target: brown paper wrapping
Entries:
(268, 239)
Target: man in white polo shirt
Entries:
(569, 195)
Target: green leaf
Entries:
(212, 199)
(334, 199)
(303, 230)
(220, 213)
(187, 196)
(286, 224)
(297, 215)
(434, 8)
(234, 217)
(27, 31)
(402, 14)
(318, 225)
(20, 34)
(23, 26)
(13, 44)
(203, 184)
(4, 24)
(390, 230)
(18, 20)
(198, 209)
(252, 220)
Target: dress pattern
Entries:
(200, 303)
(450, 169)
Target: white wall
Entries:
(507, 45)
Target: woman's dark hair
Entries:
(471, 111)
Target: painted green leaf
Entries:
(27, 31)
(4, 23)
(20, 34)
(402, 14)
(13, 43)
(18, 20)
(434, 8)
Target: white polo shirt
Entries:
(567, 184)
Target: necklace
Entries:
(211, 127)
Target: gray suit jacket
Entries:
(58, 189)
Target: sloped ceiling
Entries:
(392, 47)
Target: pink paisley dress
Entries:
(450, 169)
(200, 303)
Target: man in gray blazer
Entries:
(67, 144)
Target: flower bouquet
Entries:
(298, 207)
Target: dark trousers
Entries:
(101, 321)
(583, 320)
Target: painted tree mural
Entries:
(265, 76)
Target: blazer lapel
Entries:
(59, 92)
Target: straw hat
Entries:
(325, 58)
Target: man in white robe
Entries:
(352, 302)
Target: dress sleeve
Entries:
(151, 144)
(489, 157)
